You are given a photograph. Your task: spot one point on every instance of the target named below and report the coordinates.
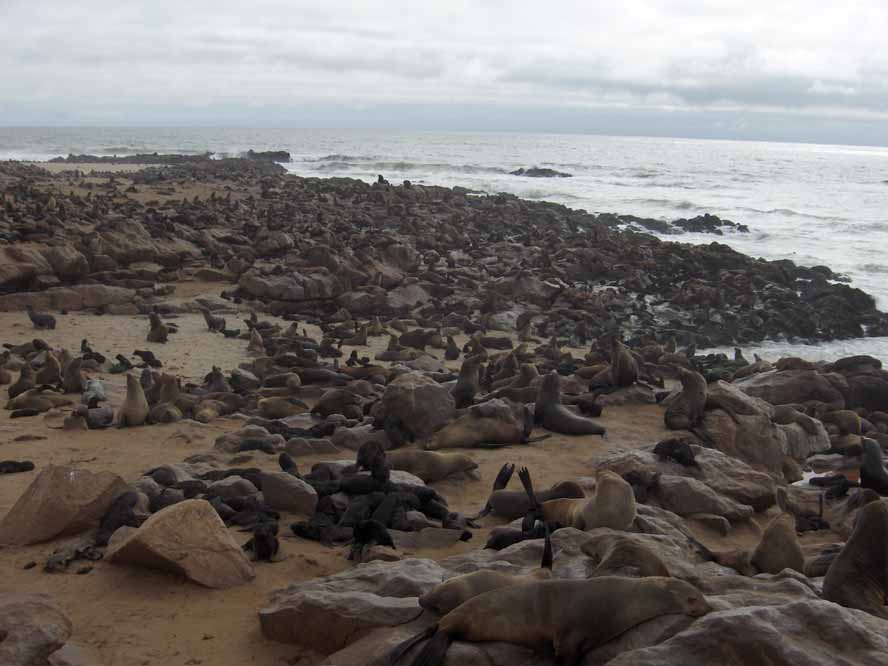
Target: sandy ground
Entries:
(134, 616)
(62, 167)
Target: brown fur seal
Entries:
(572, 616)
(624, 367)
(165, 412)
(256, 344)
(552, 415)
(452, 352)
(281, 408)
(845, 420)
(51, 372)
(858, 576)
(159, 332)
(77, 419)
(467, 384)
(454, 592)
(617, 554)
(430, 466)
(169, 389)
(511, 504)
(778, 549)
(134, 410)
(686, 411)
(611, 505)
(72, 377)
(486, 425)
(38, 400)
(872, 469)
(786, 414)
(25, 382)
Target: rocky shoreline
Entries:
(321, 379)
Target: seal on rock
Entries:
(467, 384)
(552, 415)
(872, 470)
(612, 504)
(858, 576)
(616, 554)
(624, 367)
(134, 410)
(573, 616)
(455, 591)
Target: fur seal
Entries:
(624, 367)
(686, 412)
(25, 381)
(159, 332)
(786, 414)
(256, 344)
(51, 372)
(280, 407)
(677, 449)
(858, 576)
(72, 376)
(37, 400)
(552, 415)
(490, 424)
(512, 504)
(467, 385)
(572, 616)
(40, 320)
(455, 591)
(264, 544)
(778, 549)
(612, 505)
(872, 470)
(134, 410)
(214, 324)
(616, 554)
(430, 466)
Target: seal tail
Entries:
(404, 647)
(434, 651)
(548, 557)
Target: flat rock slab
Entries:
(60, 501)
(189, 539)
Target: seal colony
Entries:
(239, 378)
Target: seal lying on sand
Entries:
(512, 504)
(430, 466)
(573, 616)
(611, 505)
(552, 415)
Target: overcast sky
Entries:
(735, 68)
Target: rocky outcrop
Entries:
(60, 501)
(329, 613)
(285, 492)
(792, 386)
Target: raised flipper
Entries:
(548, 556)
(536, 509)
(499, 483)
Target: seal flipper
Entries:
(404, 647)
(434, 651)
(548, 557)
(535, 511)
(499, 483)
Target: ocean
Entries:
(813, 204)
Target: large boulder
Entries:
(61, 501)
(189, 539)
(67, 262)
(799, 443)
(869, 391)
(32, 627)
(816, 633)
(72, 297)
(792, 386)
(753, 439)
(419, 402)
(20, 265)
(686, 496)
(329, 613)
(285, 492)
